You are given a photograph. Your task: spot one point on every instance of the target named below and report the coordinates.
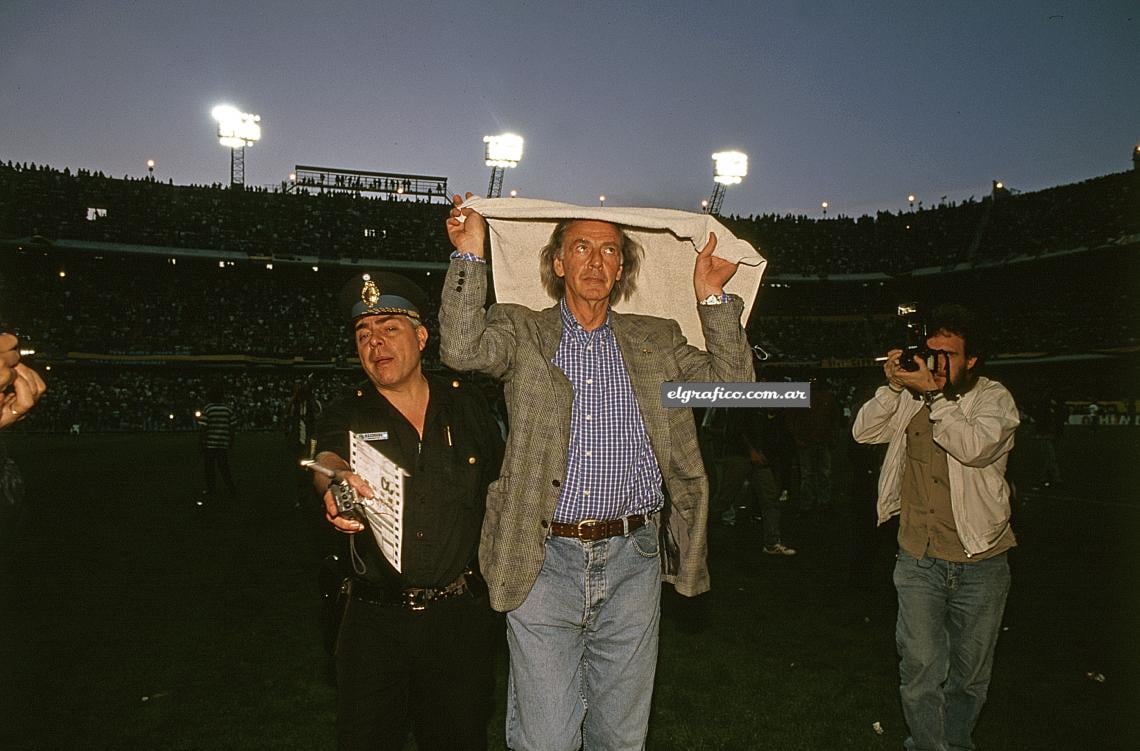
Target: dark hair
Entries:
(555, 286)
(959, 320)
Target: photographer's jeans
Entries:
(584, 646)
(948, 624)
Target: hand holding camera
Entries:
(345, 497)
(920, 374)
(914, 365)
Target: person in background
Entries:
(300, 433)
(813, 431)
(217, 424)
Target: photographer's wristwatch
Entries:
(930, 397)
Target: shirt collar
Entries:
(570, 323)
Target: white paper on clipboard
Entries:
(385, 512)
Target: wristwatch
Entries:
(930, 397)
(716, 299)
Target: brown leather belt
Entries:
(598, 529)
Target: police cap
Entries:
(382, 293)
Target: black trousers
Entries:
(429, 672)
(219, 458)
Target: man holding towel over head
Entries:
(602, 493)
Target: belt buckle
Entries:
(580, 526)
(415, 601)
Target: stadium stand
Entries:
(137, 293)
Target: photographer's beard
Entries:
(954, 391)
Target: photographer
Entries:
(949, 433)
(20, 386)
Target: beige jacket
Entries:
(976, 432)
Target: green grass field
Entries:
(131, 618)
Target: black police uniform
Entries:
(411, 652)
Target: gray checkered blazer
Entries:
(516, 345)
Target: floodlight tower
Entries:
(729, 168)
(500, 152)
(237, 130)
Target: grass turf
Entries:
(132, 618)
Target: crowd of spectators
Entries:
(147, 305)
(245, 313)
(98, 399)
(66, 302)
(57, 204)
(996, 228)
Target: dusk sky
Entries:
(856, 103)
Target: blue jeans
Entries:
(948, 624)
(584, 646)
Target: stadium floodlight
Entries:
(500, 153)
(236, 130)
(504, 150)
(729, 168)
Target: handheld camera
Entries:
(915, 346)
(347, 503)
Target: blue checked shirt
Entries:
(611, 470)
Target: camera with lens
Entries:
(915, 345)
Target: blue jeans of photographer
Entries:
(948, 624)
(584, 646)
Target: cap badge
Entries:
(370, 292)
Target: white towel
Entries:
(520, 227)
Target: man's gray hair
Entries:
(623, 289)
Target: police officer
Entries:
(413, 651)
